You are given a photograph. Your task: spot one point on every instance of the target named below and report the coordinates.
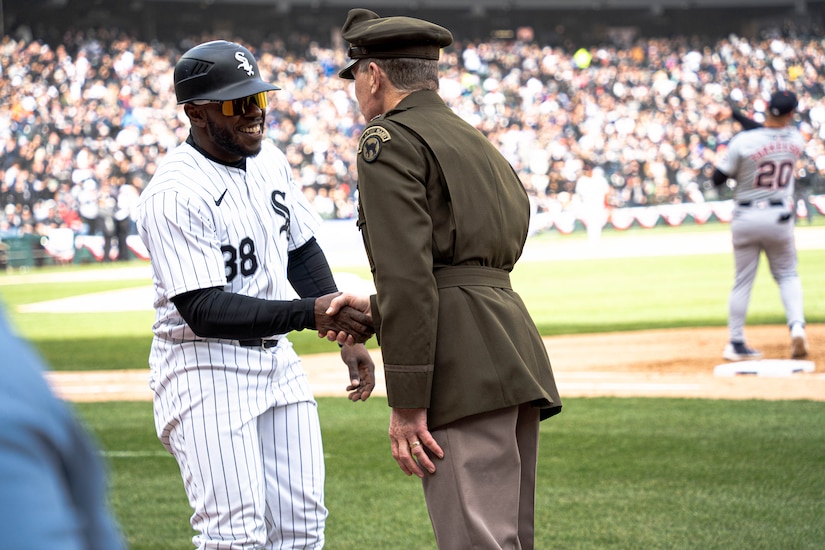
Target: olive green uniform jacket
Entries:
(444, 219)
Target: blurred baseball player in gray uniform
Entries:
(228, 231)
(763, 160)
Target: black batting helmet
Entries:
(218, 70)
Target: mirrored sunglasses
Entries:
(233, 107)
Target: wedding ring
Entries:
(415, 444)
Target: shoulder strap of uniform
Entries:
(445, 188)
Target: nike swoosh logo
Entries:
(219, 200)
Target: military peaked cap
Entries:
(372, 36)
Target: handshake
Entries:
(344, 318)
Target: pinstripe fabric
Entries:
(241, 422)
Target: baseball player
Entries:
(593, 188)
(228, 231)
(763, 160)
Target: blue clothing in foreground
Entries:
(52, 480)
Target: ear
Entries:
(375, 75)
(197, 116)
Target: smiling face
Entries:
(227, 138)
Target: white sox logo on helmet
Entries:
(244, 63)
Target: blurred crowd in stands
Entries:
(84, 121)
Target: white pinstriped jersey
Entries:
(763, 163)
(233, 229)
(240, 420)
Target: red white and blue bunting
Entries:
(674, 215)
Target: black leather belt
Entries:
(258, 342)
(772, 203)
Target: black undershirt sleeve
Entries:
(747, 123)
(309, 272)
(719, 177)
(213, 313)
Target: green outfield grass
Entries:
(613, 473)
(564, 297)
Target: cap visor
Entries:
(346, 72)
(242, 89)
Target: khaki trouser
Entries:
(483, 492)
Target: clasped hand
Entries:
(340, 303)
(354, 325)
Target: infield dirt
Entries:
(659, 363)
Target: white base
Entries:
(765, 367)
